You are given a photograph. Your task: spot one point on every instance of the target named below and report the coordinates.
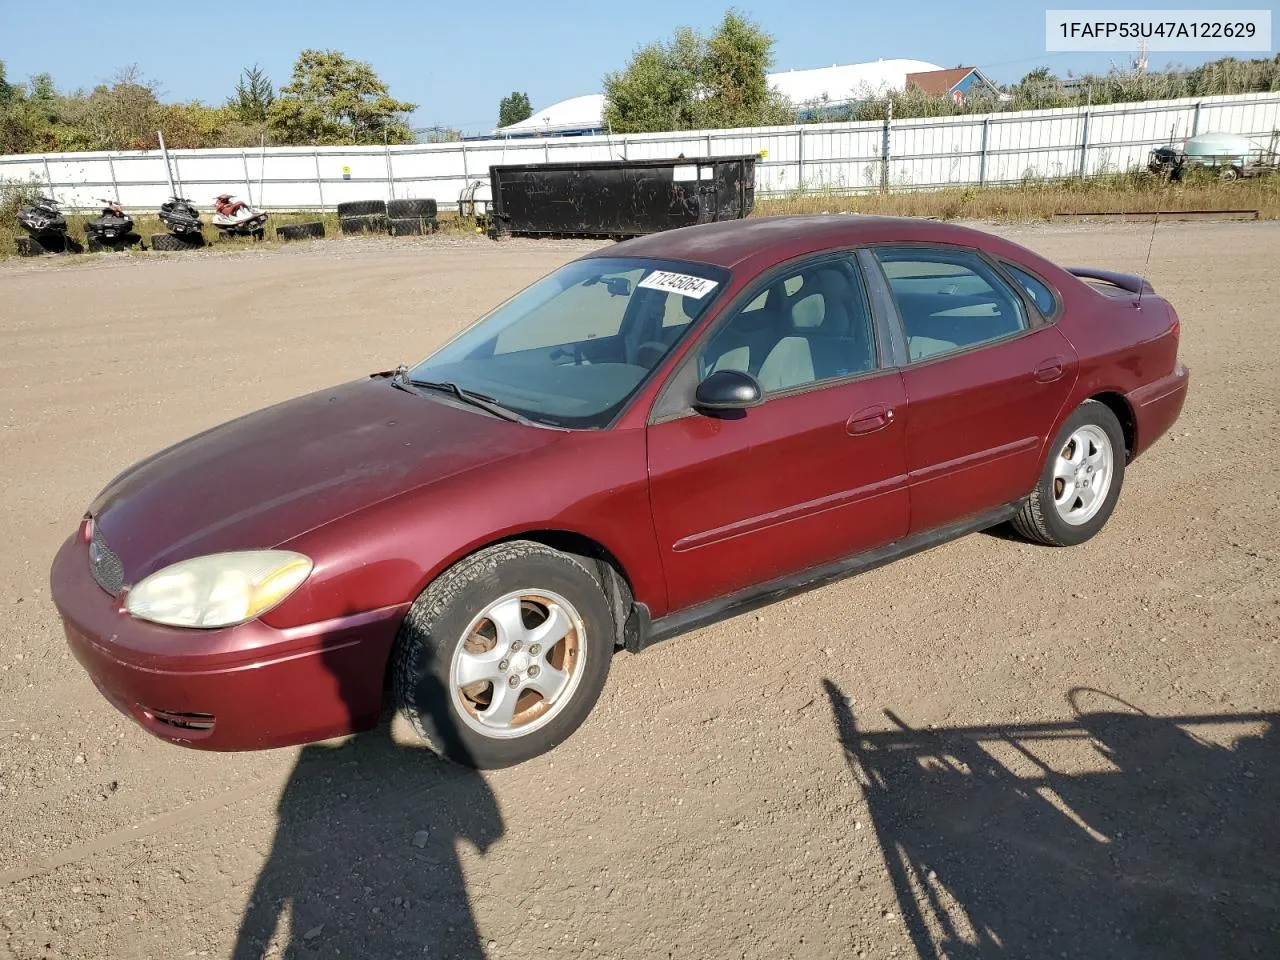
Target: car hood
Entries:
(270, 476)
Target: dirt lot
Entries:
(889, 766)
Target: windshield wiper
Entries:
(487, 404)
(401, 381)
(475, 399)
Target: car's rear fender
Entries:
(1127, 343)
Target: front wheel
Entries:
(503, 656)
(1080, 482)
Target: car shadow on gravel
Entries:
(1168, 847)
(365, 857)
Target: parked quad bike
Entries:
(183, 221)
(181, 217)
(235, 218)
(46, 228)
(111, 230)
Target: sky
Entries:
(456, 60)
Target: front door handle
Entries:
(869, 420)
(1050, 370)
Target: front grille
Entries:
(104, 564)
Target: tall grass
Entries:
(1034, 200)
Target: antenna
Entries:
(1151, 242)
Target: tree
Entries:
(693, 81)
(253, 97)
(735, 76)
(334, 100)
(8, 92)
(514, 108)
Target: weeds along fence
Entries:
(907, 154)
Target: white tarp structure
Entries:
(832, 85)
(843, 157)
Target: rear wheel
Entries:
(1080, 482)
(504, 655)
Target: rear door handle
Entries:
(869, 420)
(1050, 370)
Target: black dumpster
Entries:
(620, 198)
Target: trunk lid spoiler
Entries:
(1125, 281)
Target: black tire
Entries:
(28, 246)
(1039, 519)
(362, 208)
(434, 627)
(71, 245)
(423, 209)
(409, 228)
(372, 223)
(300, 231)
(168, 242)
(369, 223)
(92, 243)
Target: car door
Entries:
(814, 473)
(986, 379)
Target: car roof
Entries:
(768, 240)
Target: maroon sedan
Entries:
(654, 436)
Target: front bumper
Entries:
(247, 687)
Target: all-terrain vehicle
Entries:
(46, 228)
(183, 221)
(110, 230)
(180, 216)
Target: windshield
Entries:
(571, 349)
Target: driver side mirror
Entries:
(728, 390)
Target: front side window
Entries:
(806, 326)
(949, 300)
(572, 348)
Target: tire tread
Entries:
(1031, 521)
(416, 640)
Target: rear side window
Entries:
(949, 300)
(1036, 288)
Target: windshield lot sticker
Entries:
(680, 283)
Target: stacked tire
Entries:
(363, 216)
(300, 231)
(173, 242)
(35, 246)
(410, 218)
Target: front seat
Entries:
(745, 341)
(789, 364)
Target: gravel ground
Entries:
(894, 765)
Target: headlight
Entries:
(219, 590)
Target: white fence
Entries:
(903, 154)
